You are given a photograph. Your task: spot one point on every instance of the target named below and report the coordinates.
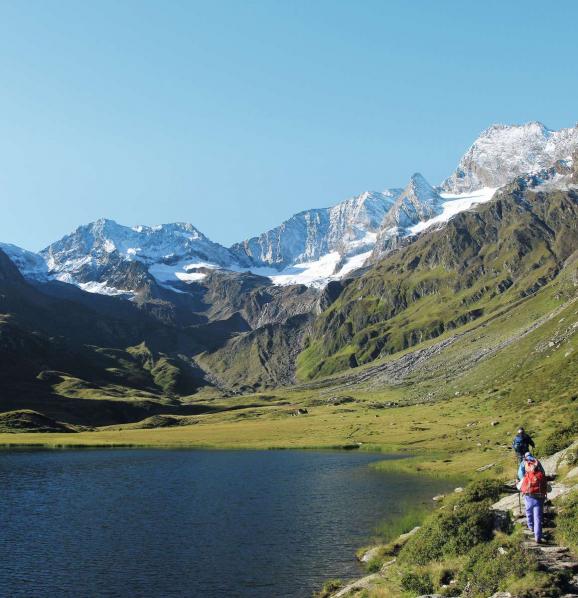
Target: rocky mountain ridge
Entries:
(312, 247)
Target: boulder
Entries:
(370, 554)
(407, 535)
(552, 463)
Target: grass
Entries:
(567, 522)
(456, 413)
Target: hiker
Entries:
(534, 487)
(522, 468)
(521, 444)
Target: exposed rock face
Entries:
(418, 202)
(348, 228)
(91, 251)
(503, 152)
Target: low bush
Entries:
(450, 532)
(493, 566)
(329, 587)
(417, 582)
(559, 439)
(482, 490)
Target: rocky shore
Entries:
(551, 558)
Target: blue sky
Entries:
(233, 115)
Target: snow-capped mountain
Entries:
(348, 228)
(418, 202)
(504, 152)
(30, 264)
(314, 246)
(91, 254)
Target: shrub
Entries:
(482, 490)
(417, 582)
(329, 587)
(567, 522)
(450, 532)
(493, 566)
(559, 439)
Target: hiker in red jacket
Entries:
(534, 487)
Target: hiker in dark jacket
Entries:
(534, 487)
(522, 443)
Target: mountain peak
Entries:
(503, 152)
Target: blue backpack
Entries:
(520, 445)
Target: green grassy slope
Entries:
(480, 263)
(458, 404)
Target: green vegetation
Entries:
(450, 532)
(560, 438)
(417, 582)
(402, 525)
(481, 263)
(329, 587)
(462, 549)
(496, 565)
(567, 522)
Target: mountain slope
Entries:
(482, 259)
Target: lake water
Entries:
(160, 523)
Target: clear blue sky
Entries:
(233, 115)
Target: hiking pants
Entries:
(535, 515)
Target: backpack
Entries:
(520, 444)
(534, 481)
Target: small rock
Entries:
(502, 550)
(530, 401)
(458, 489)
(439, 497)
(494, 423)
(370, 554)
(387, 565)
(485, 467)
(409, 534)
